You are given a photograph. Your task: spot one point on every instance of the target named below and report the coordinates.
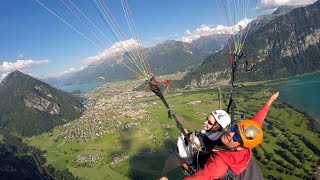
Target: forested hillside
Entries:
(29, 106)
(286, 46)
(20, 161)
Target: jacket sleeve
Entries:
(215, 168)
(261, 114)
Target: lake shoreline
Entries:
(301, 93)
(314, 121)
(281, 80)
(308, 114)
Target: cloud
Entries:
(3, 75)
(265, 6)
(206, 30)
(116, 49)
(113, 51)
(66, 71)
(272, 4)
(20, 56)
(163, 38)
(21, 65)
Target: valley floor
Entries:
(126, 134)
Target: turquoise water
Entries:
(304, 93)
(82, 87)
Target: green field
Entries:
(289, 151)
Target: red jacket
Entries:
(220, 161)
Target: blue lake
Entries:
(304, 93)
(82, 87)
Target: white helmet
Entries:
(221, 117)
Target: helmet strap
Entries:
(209, 130)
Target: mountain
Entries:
(172, 56)
(212, 43)
(14, 167)
(286, 46)
(165, 58)
(21, 161)
(219, 37)
(29, 106)
(261, 21)
(109, 69)
(284, 9)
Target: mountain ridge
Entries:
(286, 46)
(29, 106)
(165, 58)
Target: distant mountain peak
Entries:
(284, 9)
(12, 77)
(14, 74)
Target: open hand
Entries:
(273, 97)
(163, 178)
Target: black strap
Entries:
(236, 57)
(232, 103)
(155, 88)
(248, 68)
(231, 107)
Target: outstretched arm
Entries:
(273, 98)
(262, 113)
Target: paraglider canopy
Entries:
(101, 78)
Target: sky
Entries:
(51, 37)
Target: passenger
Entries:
(212, 131)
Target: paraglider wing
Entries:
(101, 78)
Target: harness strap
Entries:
(153, 85)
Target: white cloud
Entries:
(3, 75)
(65, 71)
(272, 4)
(20, 56)
(163, 38)
(68, 71)
(117, 48)
(21, 64)
(206, 30)
(114, 50)
(264, 5)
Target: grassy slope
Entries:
(134, 141)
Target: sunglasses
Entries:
(236, 137)
(210, 123)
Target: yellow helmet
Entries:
(251, 133)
